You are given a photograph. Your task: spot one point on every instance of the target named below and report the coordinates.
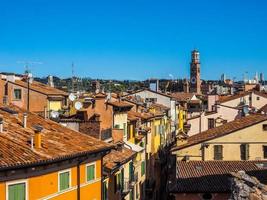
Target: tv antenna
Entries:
(29, 63)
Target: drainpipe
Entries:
(78, 180)
(28, 95)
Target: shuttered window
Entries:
(265, 152)
(64, 180)
(124, 129)
(131, 171)
(90, 172)
(218, 152)
(105, 191)
(17, 191)
(244, 151)
(143, 168)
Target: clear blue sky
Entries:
(134, 39)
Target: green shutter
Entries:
(143, 166)
(90, 172)
(64, 180)
(124, 129)
(131, 171)
(17, 192)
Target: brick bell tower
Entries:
(195, 82)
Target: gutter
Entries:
(49, 161)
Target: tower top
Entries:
(195, 56)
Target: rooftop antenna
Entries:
(72, 77)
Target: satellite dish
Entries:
(78, 105)
(72, 97)
(54, 114)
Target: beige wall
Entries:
(253, 135)
(200, 125)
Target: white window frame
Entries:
(58, 184)
(87, 165)
(18, 182)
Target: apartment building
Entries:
(41, 159)
(244, 136)
(32, 95)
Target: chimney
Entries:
(1, 125)
(38, 137)
(24, 120)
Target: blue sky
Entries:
(134, 39)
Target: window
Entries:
(218, 152)
(258, 98)
(117, 126)
(131, 171)
(16, 191)
(244, 151)
(265, 152)
(119, 181)
(90, 172)
(105, 191)
(17, 94)
(132, 195)
(264, 127)
(64, 180)
(211, 123)
(143, 168)
(124, 129)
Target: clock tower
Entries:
(195, 82)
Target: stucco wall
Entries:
(253, 135)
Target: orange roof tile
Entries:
(40, 87)
(118, 157)
(222, 130)
(58, 142)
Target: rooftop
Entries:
(40, 87)
(213, 176)
(58, 142)
(224, 129)
(117, 157)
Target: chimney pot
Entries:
(1, 125)
(38, 137)
(24, 120)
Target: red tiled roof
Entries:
(159, 106)
(120, 104)
(263, 109)
(58, 142)
(117, 158)
(182, 96)
(213, 176)
(223, 99)
(40, 87)
(223, 130)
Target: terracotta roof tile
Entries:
(118, 157)
(213, 176)
(40, 87)
(182, 96)
(120, 104)
(223, 130)
(57, 141)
